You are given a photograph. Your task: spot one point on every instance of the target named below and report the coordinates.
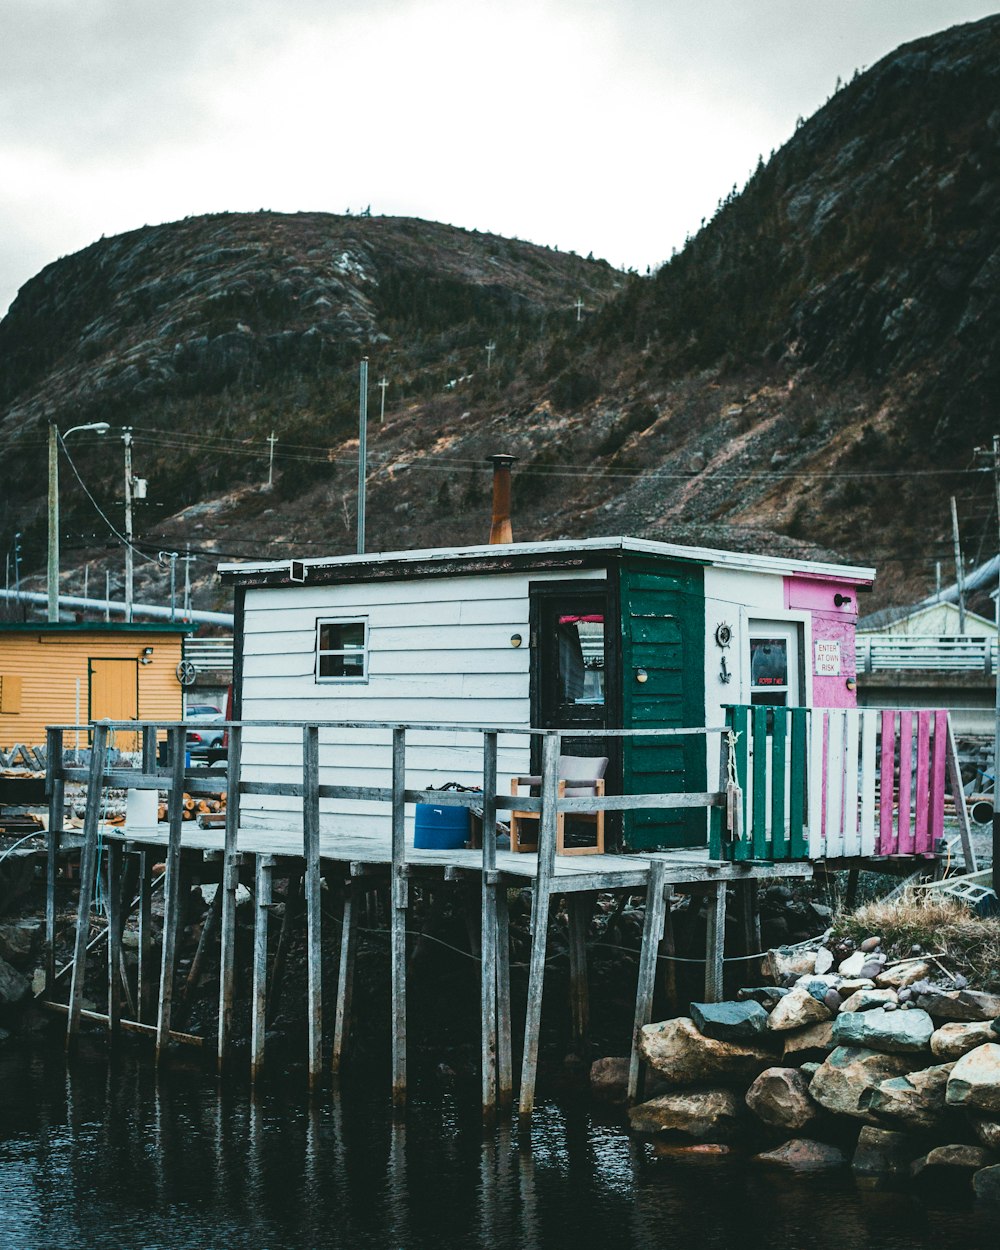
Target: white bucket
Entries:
(141, 809)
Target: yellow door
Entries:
(114, 695)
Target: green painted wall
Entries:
(663, 632)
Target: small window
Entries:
(342, 650)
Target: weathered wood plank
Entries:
(955, 780)
(314, 903)
(345, 977)
(852, 791)
(652, 934)
(228, 885)
(904, 827)
(88, 868)
(887, 784)
(56, 791)
(115, 925)
(398, 909)
(869, 731)
(488, 940)
(171, 893)
(797, 783)
(263, 883)
(579, 909)
(505, 1067)
(758, 720)
(921, 823)
(715, 941)
(817, 781)
(779, 733)
(145, 970)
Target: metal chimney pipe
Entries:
(500, 528)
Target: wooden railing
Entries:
(832, 783)
(878, 652)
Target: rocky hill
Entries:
(811, 373)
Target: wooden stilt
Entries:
(144, 969)
(579, 909)
(715, 941)
(227, 888)
(88, 868)
(345, 976)
(314, 902)
(293, 903)
(208, 930)
(398, 919)
(115, 923)
(547, 822)
(488, 942)
(652, 932)
(851, 895)
(262, 904)
(668, 948)
(505, 1066)
(171, 892)
(749, 916)
(56, 790)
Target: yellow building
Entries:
(74, 673)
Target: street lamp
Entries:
(99, 427)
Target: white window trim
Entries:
(341, 620)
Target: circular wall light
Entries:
(515, 640)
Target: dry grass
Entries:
(970, 944)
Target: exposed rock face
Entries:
(797, 1010)
(708, 1114)
(780, 1097)
(801, 1154)
(898, 1032)
(884, 1152)
(683, 1056)
(913, 1101)
(975, 1080)
(850, 1073)
(730, 1022)
(955, 1039)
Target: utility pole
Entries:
(490, 349)
(127, 440)
(188, 557)
(382, 386)
(107, 595)
(17, 566)
(959, 570)
(172, 556)
(362, 451)
(53, 560)
(270, 463)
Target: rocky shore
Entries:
(844, 1059)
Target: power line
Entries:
(97, 507)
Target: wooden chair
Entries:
(580, 777)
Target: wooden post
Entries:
(715, 941)
(548, 820)
(88, 866)
(171, 890)
(262, 904)
(314, 901)
(958, 791)
(144, 969)
(579, 908)
(398, 918)
(56, 791)
(208, 928)
(115, 925)
(228, 887)
(668, 948)
(749, 916)
(293, 891)
(505, 1066)
(345, 977)
(656, 895)
(488, 944)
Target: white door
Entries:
(775, 663)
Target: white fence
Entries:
(958, 654)
(209, 654)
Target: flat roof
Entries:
(507, 557)
(95, 627)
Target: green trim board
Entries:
(662, 611)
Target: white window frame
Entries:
(341, 620)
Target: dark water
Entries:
(106, 1155)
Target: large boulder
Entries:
(955, 1039)
(898, 1032)
(684, 1056)
(959, 1004)
(975, 1080)
(987, 1130)
(803, 1044)
(987, 1184)
(882, 1153)
(705, 1114)
(914, 1101)
(782, 963)
(945, 1163)
(865, 1000)
(609, 1079)
(796, 1010)
(801, 1154)
(14, 988)
(850, 1073)
(730, 1022)
(780, 1097)
(898, 976)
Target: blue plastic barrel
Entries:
(440, 828)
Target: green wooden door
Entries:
(663, 639)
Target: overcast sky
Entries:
(611, 126)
